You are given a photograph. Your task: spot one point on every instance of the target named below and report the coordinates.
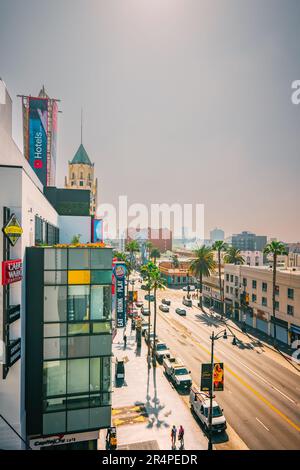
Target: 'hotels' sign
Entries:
(12, 271)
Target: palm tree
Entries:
(275, 249)
(149, 246)
(175, 261)
(203, 265)
(155, 253)
(132, 247)
(158, 283)
(146, 271)
(220, 246)
(233, 256)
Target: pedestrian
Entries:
(173, 436)
(125, 340)
(181, 437)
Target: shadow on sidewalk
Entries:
(153, 405)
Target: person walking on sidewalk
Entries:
(125, 339)
(173, 436)
(181, 437)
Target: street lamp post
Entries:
(213, 338)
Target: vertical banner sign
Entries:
(205, 377)
(120, 275)
(219, 377)
(97, 230)
(52, 171)
(38, 125)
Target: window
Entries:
(254, 297)
(79, 346)
(80, 183)
(227, 289)
(264, 301)
(79, 258)
(78, 303)
(54, 378)
(244, 281)
(78, 375)
(55, 303)
(55, 277)
(290, 293)
(55, 259)
(100, 302)
(95, 374)
(264, 287)
(55, 348)
(227, 277)
(231, 290)
(254, 284)
(81, 175)
(276, 305)
(290, 310)
(231, 277)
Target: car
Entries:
(139, 303)
(145, 326)
(187, 302)
(166, 302)
(161, 351)
(149, 297)
(145, 311)
(149, 337)
(164, 308)
(181, 311)
(189, 288)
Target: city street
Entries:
(262, 396)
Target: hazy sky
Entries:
(184, 101)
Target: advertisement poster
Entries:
(38, 125)
(97, 230)
(218, 377)
(205, 377)
(12, 271)
(120, 275)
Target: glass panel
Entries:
(78, 328)
(78, 420)
(100, 302)
(54, 378)
(55, 277)
(78, 303)
(52, 330)
(101, 277)
(55, 304)
(106, 374)
(101, 258)
(100, 345)
(55, 348)
(55, 404)
(54, 423)
(75, 403)
(79, 346)
(79, 277)
(79, 258)
(95, 374)
(55, 258)
(78, 375)
(103, 327)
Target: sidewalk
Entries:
(146, 407)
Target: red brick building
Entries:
(160, 238)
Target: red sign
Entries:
(12, 271)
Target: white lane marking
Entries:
(260, 422)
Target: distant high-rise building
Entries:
(217, 234)
(247, 241)
(40, 135)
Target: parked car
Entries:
(177, 373)
(145, 311)
(200, 405)
(181, 311)
(164, 308)
(187, 302)
(166, 302)
(151, 297)
(151, 337)
(161, 351)
(191, 288)
(139, 303)
(145, 326)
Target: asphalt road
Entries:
(261, 400)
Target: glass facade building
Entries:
(68, 340)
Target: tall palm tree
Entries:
(132, 247)
(155, 253)
(158, 283)
(149, 246)
(146, 271)
(275, 249)
(220, 246)
(233, 256)
(203, 265)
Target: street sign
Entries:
(13, 230)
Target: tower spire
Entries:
(81, 126)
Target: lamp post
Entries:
(213, 338)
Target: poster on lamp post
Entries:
(218, 377)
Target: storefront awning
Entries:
(295, 329)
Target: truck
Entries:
(200, 405)
(177, 373)
(161, 351)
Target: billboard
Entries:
(37, 138)
(97, 230)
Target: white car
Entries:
(192, 288)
